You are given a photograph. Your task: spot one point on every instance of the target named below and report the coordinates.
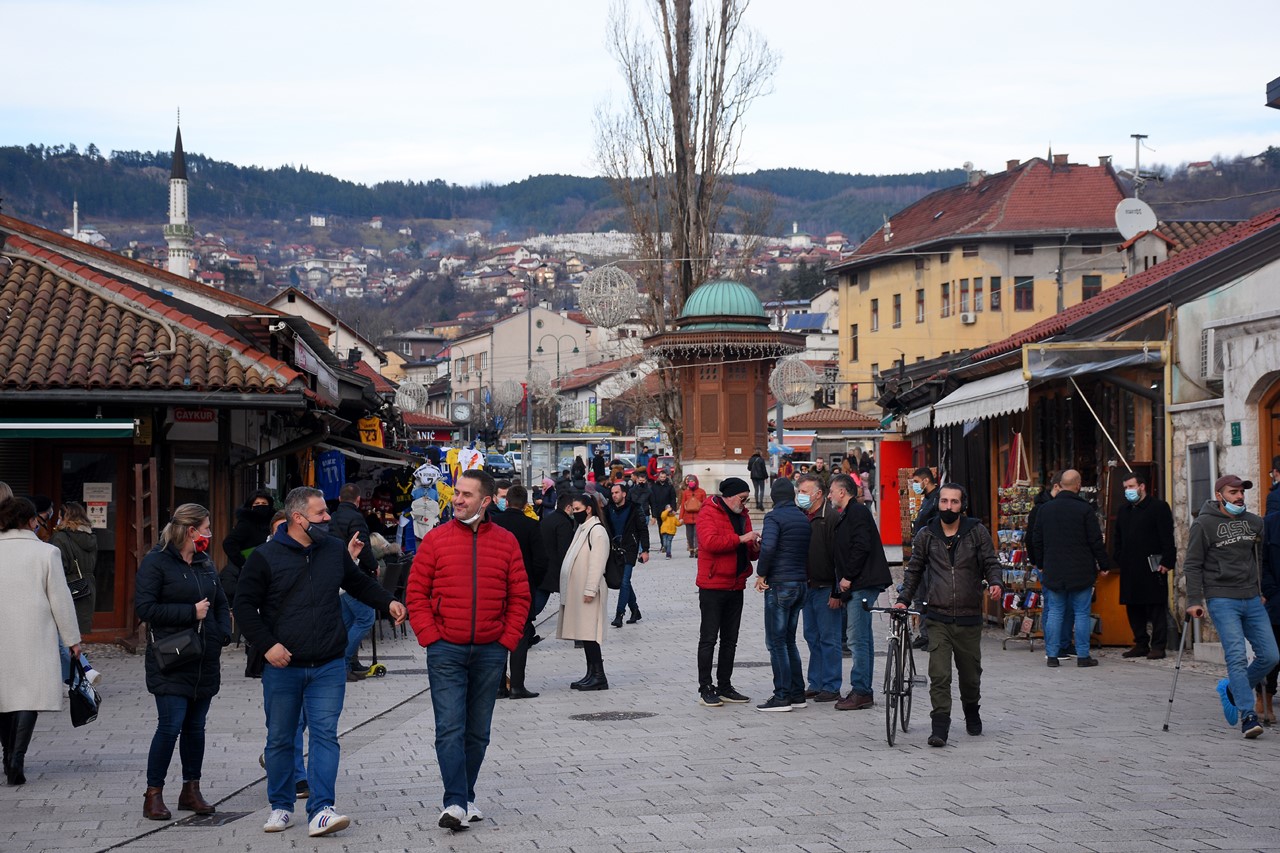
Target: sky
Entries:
(498, 90)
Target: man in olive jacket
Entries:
(953, 554)
(1068, 540)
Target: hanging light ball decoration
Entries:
(508, 394)
(609, 297)
(792, 381)
(538, 381)
(411, 397)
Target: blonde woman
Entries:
(583, 594)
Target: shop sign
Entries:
(97, 497)
(1235, 433)
(142, 436)
(193, 416)
(326, 379)
(592, 412)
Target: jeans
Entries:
(540, 598)
(287, 693)
(627, 594)
(782, 605)
(858, 636)
(667, 539)
(822, 636)
(181, 722)
(358, 618)
(1055, 620)
(1239, 620)
(721, 618)
(464, 686)
(963, 643)
(758, 486)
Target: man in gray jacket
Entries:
(1222, 569)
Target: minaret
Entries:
(178, 233)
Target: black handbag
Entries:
(614, 566)
(81, 586)
(85, 701)
(180, 650)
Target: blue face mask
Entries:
(1233, 509)
(1131, 495)
(501, 504)
(804, 501)
(917, 488)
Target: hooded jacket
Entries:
(784, 540)
(1068, 541)
(687, 494)
(953, 576)
(1222, 555)
(928, 511)
(720, 551)
(253, 527)
(79, 551)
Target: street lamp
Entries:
(559, 339)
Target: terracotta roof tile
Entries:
(417, 419)
(1185, 234)
(381, 384)
(831, 418)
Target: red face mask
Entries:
(201, 543)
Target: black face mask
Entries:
(262, 514)
(948, 516)
(580, 517)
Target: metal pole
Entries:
(527, 455)
(1137, 156)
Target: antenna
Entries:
(179, 116)
(1137, 156)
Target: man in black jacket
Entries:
(759, 472)
(288, 604)
(1068, 540)
(822, 604)
(348, 521)
(529, 534)
(863, 570)
(641, 493)
(661, 493)
(628, 526)
(1143, 531)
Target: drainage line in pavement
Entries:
(169, 825)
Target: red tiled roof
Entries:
(417, 419)
(593, 373)
(381, 384)
(1059, 323)
(1185, 234)
(1033, 198)
(831, 418)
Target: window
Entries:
(964, 295)
(853, 279)
(406, 348)
(946, 299)
(920, 305)
(969, 251)
(944, 257)
(897, 310)
(1091, 286)
(1091, 249)
(853, 342)
(1024, 293)
(995, 293)
(919, 263)
(1024, 248)
(875, 371)
(875, 315)
(977, 294)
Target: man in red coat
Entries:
(726, 547)
(468, 598)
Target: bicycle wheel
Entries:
(908, 682)
(892, 672)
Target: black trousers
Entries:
(759, 491)
(1156, 614)
(721, 618)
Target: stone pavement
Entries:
(1071, 760)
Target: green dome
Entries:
(725, 304)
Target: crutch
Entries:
(1177, 667)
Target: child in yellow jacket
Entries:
(667, 528)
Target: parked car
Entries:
(514, 457)
(499, 465)
(667, 462)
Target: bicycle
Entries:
(899, 668)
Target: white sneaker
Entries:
(279, 821)
(93, 676)
(473, 813)
(327, 821)
(453, 817)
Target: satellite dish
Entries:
(1133, 216)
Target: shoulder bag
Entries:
(179, 650)
(80, 586)
(613, 567)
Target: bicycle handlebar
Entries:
(894, 611)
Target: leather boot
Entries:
(504, 687)
(597, 681)
(972, 720)
(191, 800)
(6, 738)
(153, 807)
(617, 621)
(24, 723)
(941, 726)
(583, 680)
(635, 616)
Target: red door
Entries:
(894, 455)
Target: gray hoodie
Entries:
(1222, 555)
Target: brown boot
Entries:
(190, 799)
(153, 807)
(1270, 716)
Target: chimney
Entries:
(353, 358)
(1060, 160)
(1104, 160)
(1011, 165)
(976, 176)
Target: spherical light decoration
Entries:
(792, 381)
(608, 296)
(508, 394)
(538, 381)
(411, 397)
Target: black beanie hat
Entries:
(734, 486)
(782, 490)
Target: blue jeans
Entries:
(464, 685)
(627, 595)
(822, 636)
(667, 539)
(782, 605)
(1056, 607)
(288, 693)
(181, 721)
(540, 598)
(1239, 620)
(858, 636)
(65, 654)
(358, 618)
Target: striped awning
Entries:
(919, 420)
(989, 397)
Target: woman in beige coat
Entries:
(584, 598)
(35, 610)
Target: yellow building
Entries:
(975, 263)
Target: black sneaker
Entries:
(1249, 725)
(728, 694)
(775, 704)
(920, 643)
(709, 697)
(1089, 661)
(1051, 661)
(303, 790)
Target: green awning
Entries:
(886, 421)
(66, 428)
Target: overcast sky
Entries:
(497, 90)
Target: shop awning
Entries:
(989, 397)
(798, 441)
(369, 453)
(1059, 364)
(919, 420)
(64, 428)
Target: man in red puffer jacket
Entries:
(468, 598)
(726, 547)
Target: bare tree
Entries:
(669, 152)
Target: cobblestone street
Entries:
(1072, 759)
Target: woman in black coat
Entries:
(178, 589)
(253, 527)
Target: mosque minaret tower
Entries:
(178, 233)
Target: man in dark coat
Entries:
(1143, 535)
(661, 493)
(348, 521)
(641, 493)
(628, 526)
(1068, 540)
(923, 483)
(529, 534)
(863, 570)
(599, 467)
(823, 629)
(759, 472)
(557, 534)
(782, 577)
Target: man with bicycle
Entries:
(954, 556)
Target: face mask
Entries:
(804, 501)
(1131, 495)
(262, 513)
(501, 503)
(948, 516)
(317, 530)
(201, 543)
(1233, 509)
(917, 488)
(580, 517)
